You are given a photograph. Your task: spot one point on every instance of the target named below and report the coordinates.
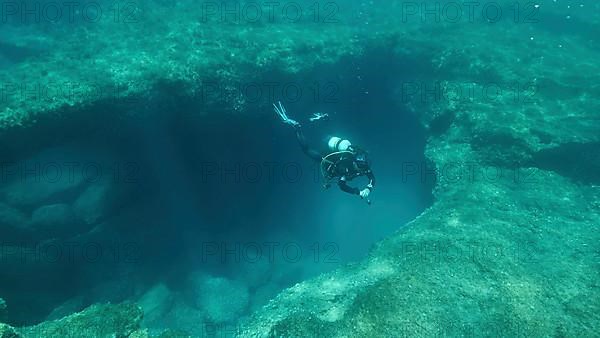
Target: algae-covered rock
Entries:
(7, 331)
(510, 246)
(500, 258)
(509, 249)
(144, 333)
(222, 299)
(174, 334)
(497, 256)
(101, 320)
(68, 307)
(184, 318)
(262, 295)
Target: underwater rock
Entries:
(7, 331)
(262, 295)
(30, 193)
(512, 253)
(54, 220)
(253, 274)
(100, 320)
(98, 201)
(222, 299)
(51, 176)
(185, 318)
(67, 308)
(145, 333)
(288, 273)
(199, 52)
(91, 204)
(156, 303)
(434, 274)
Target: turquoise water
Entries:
(147, 184)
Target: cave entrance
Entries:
(227, 203)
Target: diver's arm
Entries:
(313, 154)
(371, 178)
(364, 194)
(346, 188)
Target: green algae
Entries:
(115, 60)
(7, 331)
(509, 247)
(101, 320)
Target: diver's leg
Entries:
(280, 110)
(313, 154)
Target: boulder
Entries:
(98, 201)
(182, 318)
(222, 299)
(100, 320)
(30, 193)
(54, 220)
(156, 303)
(7, 331)
(51, 175)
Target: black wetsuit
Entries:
(344, 167)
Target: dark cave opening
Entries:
(577, 161)
(217, 194)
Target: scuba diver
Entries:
(343, 161)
